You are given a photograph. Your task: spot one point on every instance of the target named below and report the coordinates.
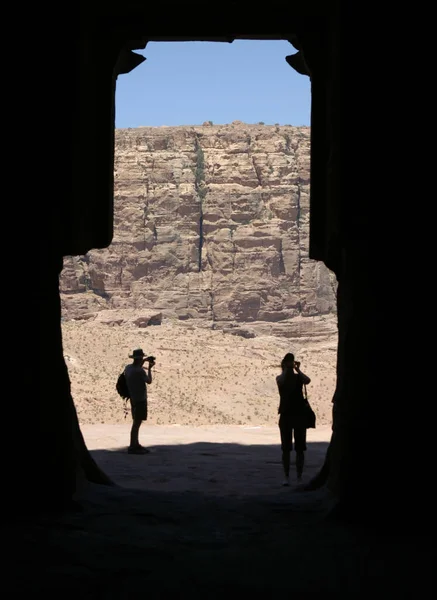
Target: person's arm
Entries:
(305, 379)
(148, 373)
(279, 407)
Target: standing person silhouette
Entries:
(292, 405)
(137, 379)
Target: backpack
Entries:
(121, 386)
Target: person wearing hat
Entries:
(137, 379)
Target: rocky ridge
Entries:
(211, 225)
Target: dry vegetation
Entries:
(202, 376)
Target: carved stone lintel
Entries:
(297, 62)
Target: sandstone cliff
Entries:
(211, 224)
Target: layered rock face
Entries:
(211, 224)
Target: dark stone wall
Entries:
(362, 469)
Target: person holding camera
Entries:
(137, 379)
(291, 412)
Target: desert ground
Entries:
(202, 376)
(220, 460)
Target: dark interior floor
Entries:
(128, 543)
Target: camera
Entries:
(150, 359)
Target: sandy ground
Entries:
(233, 461)
(202, 376)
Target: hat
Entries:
(137, 354)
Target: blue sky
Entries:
(191, 82)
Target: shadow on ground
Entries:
(222, 469)
(203, 520)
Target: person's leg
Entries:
(286, 446)
(300, 446)
(300, 460)
(139, 414)
(134, 433)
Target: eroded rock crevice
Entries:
(201, 191)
